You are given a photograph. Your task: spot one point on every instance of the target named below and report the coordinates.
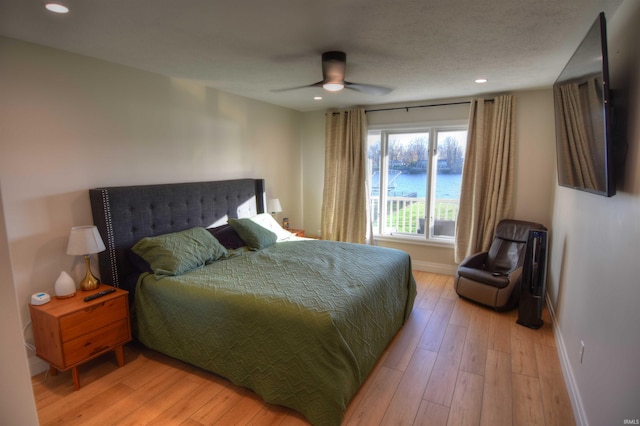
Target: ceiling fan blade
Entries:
(318, 84)
(367, 88)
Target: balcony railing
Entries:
(406, 215)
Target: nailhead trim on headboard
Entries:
(110, 238)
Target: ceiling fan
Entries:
(334, 66)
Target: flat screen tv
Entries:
(583, 117)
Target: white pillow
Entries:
(267, 221)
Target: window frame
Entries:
(432, 128)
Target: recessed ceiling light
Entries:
(56, 8)
(317, 98)
(481, 80)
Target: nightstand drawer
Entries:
(96, 342)
(92, 318)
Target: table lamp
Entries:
(273, 206)
(85, 241)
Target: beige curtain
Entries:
(576, 148)
(486, 196)
(344, 200)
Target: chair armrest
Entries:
(483, 277)
(471, 268)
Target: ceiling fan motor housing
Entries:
(333, 70)
(334, 56)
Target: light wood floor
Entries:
(453, 363)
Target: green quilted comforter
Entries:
(301, 323)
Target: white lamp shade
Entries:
(84, 240)
(273, 205)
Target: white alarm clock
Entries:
(40, 298)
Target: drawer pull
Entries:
(94, 307)
(100, 349)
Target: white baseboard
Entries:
(569, 379)
(37, 365)
(436, 268)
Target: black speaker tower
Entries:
(534, 279)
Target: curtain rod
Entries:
(407, 108)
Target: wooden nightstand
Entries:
(296, 232)
(69, 332)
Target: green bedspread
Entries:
(301, 323)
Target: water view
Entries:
(404, 184)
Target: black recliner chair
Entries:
(492, 278)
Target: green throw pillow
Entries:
(179, 252)
(254, 235)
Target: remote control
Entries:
(99, 294)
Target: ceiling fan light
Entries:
(333, 87)
(56, 7)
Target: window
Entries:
(414, 176)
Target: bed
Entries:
(299, 321)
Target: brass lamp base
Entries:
(89, 282)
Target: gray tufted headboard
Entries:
(125, 214)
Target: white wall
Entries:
(535, 169)
(594, 282)
(70, 123)
(536, 156)
(312, 146)
(17, 405)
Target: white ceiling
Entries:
(422, 49)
